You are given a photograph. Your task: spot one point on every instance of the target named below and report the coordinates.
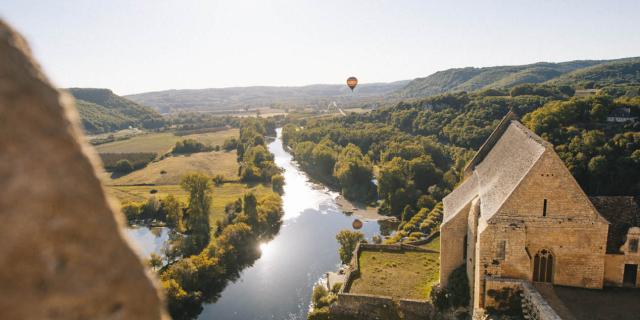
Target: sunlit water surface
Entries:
(279, 284)
(148, 240)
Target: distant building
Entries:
(621, 114)
(520, 215)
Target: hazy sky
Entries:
(136, 46)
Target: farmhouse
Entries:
(520, 215)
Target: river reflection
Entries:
(279, 284)
(148, 240)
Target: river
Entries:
(279, 284)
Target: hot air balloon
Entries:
(352, 82)
(357, 224)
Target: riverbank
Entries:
(360, 210)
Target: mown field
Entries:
(162, 142)
(406, 275)
(221, 195)
(170, 170)
(164, 176)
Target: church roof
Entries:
(508, 162)
(623, 213)
(458, 198)
(497, 169)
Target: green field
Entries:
(170, 170)
(220, 195)
(162, 142)
(399, 275)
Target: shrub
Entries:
(319, 314)
(218, 179)
(458, 287)
(439, 298)
(189, 146)
(230, 144)
(123, 166)
(131, 211)
(348, 241)
(277, 183)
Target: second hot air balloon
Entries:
(352, 82)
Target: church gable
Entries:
(549, 190)
(505, 165)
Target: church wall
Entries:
(452, 244)
(572, 229)
(472, 229)
(549, 179)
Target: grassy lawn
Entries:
(163, 142)
(408, 275)
(209, 163)
(432, 245)
(220, 195)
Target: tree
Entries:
(154, 261)
(123, 166)
(250, 205)
(348, 241)
(407, 213)
(199, 188)
(354, 173)
(277, 183)
(172, 209)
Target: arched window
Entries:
(543, 266)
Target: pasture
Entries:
(162, 142)
(170, 170)
(399, 275)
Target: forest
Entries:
(412, 154)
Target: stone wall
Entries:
(364, 306)
(62, 251)
(614, 268)
(452, 235)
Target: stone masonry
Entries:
(62, 251)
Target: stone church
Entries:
(520, 214)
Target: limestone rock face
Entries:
(62, 251)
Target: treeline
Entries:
(191, 122)
(126, 162)
(604, 157)
(418, 149)
(191, 146)
(256, 162)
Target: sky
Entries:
(150, 45)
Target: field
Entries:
(164, 176)
(169, 170)
(399, 275)
(162, 142)
(220, 195)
